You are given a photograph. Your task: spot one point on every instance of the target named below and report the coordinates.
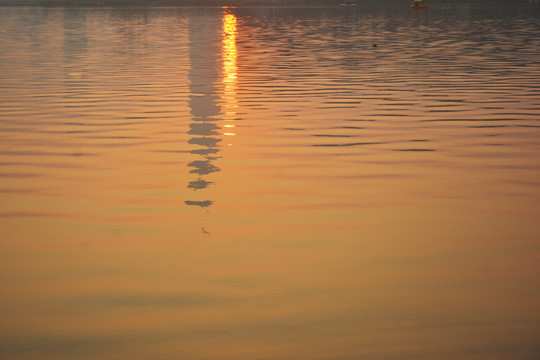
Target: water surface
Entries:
(265, 183)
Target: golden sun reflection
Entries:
(230, 80)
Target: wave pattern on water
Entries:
(264, 182)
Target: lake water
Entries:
(265, 183)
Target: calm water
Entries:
(264, 183)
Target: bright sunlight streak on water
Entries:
(230, 76)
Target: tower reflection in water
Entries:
(213, 57)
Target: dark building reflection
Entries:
(206, 41)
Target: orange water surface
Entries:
(265, 183)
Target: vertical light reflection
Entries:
(230, 76)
